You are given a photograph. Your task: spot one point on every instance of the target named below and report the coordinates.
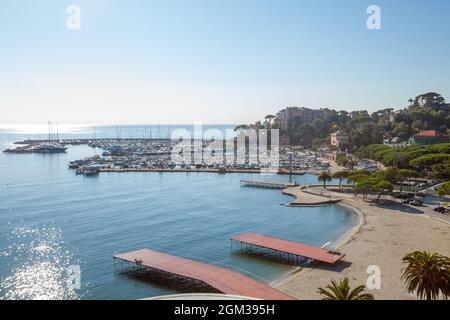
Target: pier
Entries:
(221, 279)
(289, 248)
(268, 184)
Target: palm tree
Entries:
(427, 274)
(325, 177)
(342, 291)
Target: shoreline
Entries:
(386, 233)
(335, 244)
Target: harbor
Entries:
(178, 205)
(156, 155)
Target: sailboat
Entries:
(50, 146)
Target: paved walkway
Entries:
(303, 198)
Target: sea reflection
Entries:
(40, 265)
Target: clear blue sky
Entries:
(228, 61)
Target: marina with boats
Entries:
(155, 155)
(147, 155)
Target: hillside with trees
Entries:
(433, 159)
(427, 111)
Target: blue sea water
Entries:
(51, 219)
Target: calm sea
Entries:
(51, 219)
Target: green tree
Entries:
(269, 118)
(341, 175)
(428, 160)
(427, 274)
(402, 130)
(325, 177)
(429, 100)
(417, 125)
(356, 175)
(342, 160)
(342, 291)
(365, 185)
(444, 189)
(390, 174)
(241, 127)
(382, 187)
(321, 128)
(441, 170)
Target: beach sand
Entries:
(387, 232)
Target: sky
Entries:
(211, 61)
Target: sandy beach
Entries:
(388, 231)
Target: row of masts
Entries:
(121, 132)
(128, 132)
(50, 132)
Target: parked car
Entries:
(441, 209)
(405, 195)
(407, 201)
(421, 194)
(416, 202)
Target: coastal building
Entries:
(284, 140)
(333, 156)
(430, 137)
(361, 113)
(301, 115)
(339, 139)
(395, 143)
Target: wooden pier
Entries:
(223, 280)
(289, 248)
(267, 184)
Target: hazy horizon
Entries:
(215, 62)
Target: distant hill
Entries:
(312, 128)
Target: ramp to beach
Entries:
(267, 184)
(224, 280)
(288, 247)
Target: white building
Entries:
(395, 143)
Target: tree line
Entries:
(427, 111)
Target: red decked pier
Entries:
(288, 247)
(224, 280)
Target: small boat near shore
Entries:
(91, 171)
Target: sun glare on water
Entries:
(39, 271)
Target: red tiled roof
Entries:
(429, 133)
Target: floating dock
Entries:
(268, 184)
(223, 280)
(289, 248)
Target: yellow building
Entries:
(339, 139)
